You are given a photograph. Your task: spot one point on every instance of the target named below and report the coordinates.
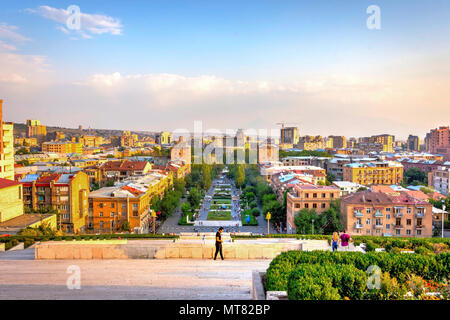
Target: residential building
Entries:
(164, 137)
(289, 136)
(66, 193)
(181, 153)
(424, 165)
(36, 130)
(119, 170)
(128, 139)
(439, 179)
(311, 143)
(11, 199)
(413, 143)
(6, 147)
(267, 153)
(347, 187)
(387, 172)
(91, 141)
(128, 202)
(439, 142)
(308, 196)
(381, 214)
(25, 142)
(62, 147)
(339, 142)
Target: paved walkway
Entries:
(130, 279)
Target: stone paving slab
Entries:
(130, 279)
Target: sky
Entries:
(161, 65)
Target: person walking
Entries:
(345, 239)
(334, 241)
(219, 242)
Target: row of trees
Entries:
(202, 176)
(170, 200)
(327, 222)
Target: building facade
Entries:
(6, 147)
(308, 196)
(11, 199)
(439, 142)
(62, 147)
(380, 214)
(388, 172)
(439, 179)
(67, 194)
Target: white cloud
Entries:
(90, 24)
(9, 32)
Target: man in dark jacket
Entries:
(219, 242)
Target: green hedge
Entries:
(326, 282)
(430, 267)
(374, 242)
(29, 239)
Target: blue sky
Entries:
(264, 61)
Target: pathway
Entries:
(130, 279)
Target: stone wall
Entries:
(150, 249)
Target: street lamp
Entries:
(443, 215)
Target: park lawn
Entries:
(218, 206)
(219, 215)
(253, 221)
(220, 201)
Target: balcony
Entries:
(420, 226)
(378, 214)
(358, 226)
(420, 215)
(399, 226)
(378, 226)
(358, 214)
(398, 214)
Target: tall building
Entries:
(440, 142)
(382, 214)
(164, 137)
(413, 143)
(439, 179)
(339, 142)
(289, 136)
(6, 147)
(11, 203)
(36, 130)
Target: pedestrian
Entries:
(345, 238)
(334, 241)
(219, 242)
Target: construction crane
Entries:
(282, 124)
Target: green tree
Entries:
(194, 197)
(240, 176)
(304, 220)
(330, 219)
(185, 208)
(415, 176)
(206, 177)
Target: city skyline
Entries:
(158, 66)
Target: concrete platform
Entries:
(130, 279)
(163, 249)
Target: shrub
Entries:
(308, 282)
(256, 212)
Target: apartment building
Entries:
(36, 130)
(308, 196)
(26, 142)
(339, 142)
(110, 208)
(413, 143)
(164, 137)
(267, 152)
(66, 193)
(11, 199)
(311, 143)
(62, 147)
(381, 214)
(387, 172)
(439, 142)
(6, 147)
(91, 141)
(119, 170)
(439, 179)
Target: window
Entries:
(324, 195)
(101, 224)
(323, 205)
(111, 214)
(388, 226)
(100, 205)
(367, 210)
(297, 205)
(419, 222)
(397, 232)
(408, 222)
(367, 231)
(388, 209)
(314, 195)
(112, 205)
(419, 232)
(398, 221)
(368, 221)
(101, 214)
(408, 210)
(306, 195)
(314, 205)
(306, 205)
(378, 222)
(408, 232)
(388, 216)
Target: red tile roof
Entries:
(46, 179)
(124, 165)
(5, 183)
